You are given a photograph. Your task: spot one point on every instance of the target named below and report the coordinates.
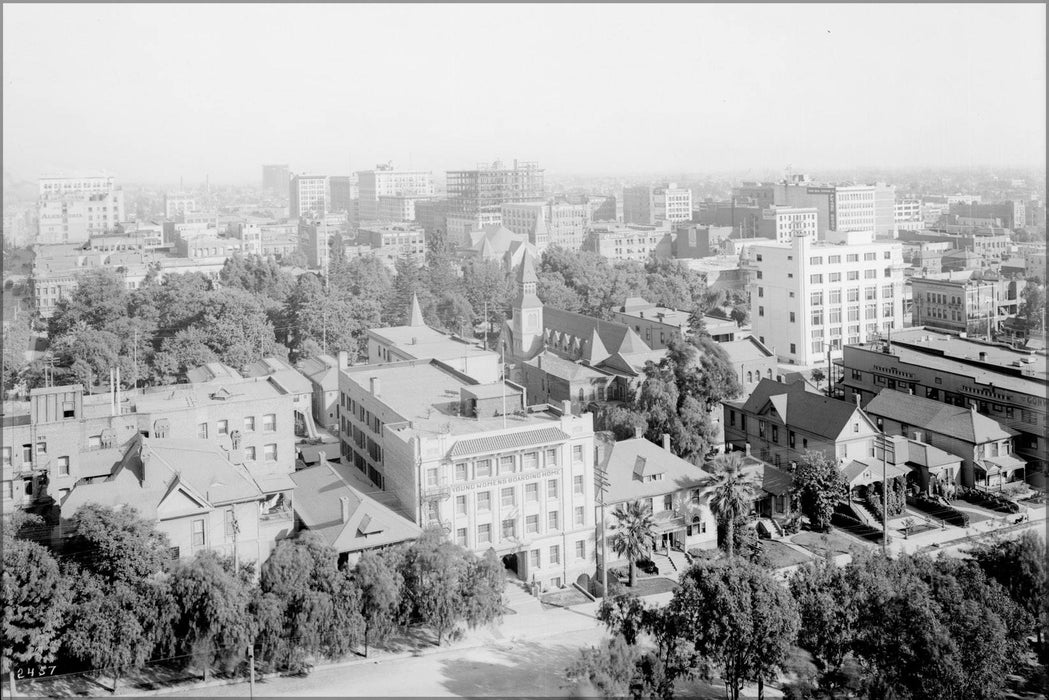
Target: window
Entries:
(835, 296)
(460, 471)
(887, 255)
(852, 257)
(63, 466)
(835, 277)
(484, 534)
(759, 271)
(792, 317)
(816, 279)
(834, 260)
(815, 261)
(668, 502)
(532, 493)
(793, 347)
(507, 497)
(197, 533)
(551, 489)
(223, 428)
(580, 549)
(551, 457)
(460, 505)
(791, 437)
(269, 422)
(580, 515)
(484, 501)
(531, 524)
(270, 452)
(509, 529)
(534, 559)
(202, 431)
(870, 274)
(555, 554)
(888, 272)
(249, 424)
(775, 433)
(555, 582)
(854, 294)
(231, 523)
(817, 318)
(816, 298)
(7, 456)
(577, 453)
(41, 448)
(552, 520)
(761, 291)
(761, 428)
(506, 464)
(249, 453)
(577, 485)
(761, 311)
(431, 477)
(530, 460)
(852, 275)
(483, 468)
(870, 256)
(460, 536)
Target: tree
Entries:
(611, 669)
(237, 328)
(738, 616)
(317, 605)
(99, 299)
(380, 588)
(828, 618)
(731, 493)
(1019, 565)
(116, 624)
(34, 596)
(634, 534)
(117, 544)
(17, 337)
(818, 487)
(445, 586)
(1032, 306)
(818, 376)
(210, 612)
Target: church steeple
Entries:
(527, 322)
(415, 314)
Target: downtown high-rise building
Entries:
(72, 209)
(276, 180)
(648, 205)
(309, 196)
(387, 194)
(476, 197)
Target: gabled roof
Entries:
(802, 409)
(935, 417)
(318, 503)
(557, 366)
(625, 458)
(281, 374)
(859, 472)
(745, 350)
(153, 468)
(210, 372)
(322, 370)
(614, 336)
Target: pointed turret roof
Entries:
(526, 272)
(415, 314)
(540, 230)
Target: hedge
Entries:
(949, 515)
(989, 501)
(856, 527)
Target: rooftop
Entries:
(801, 408)
(423, 342)
(627, 461)
(565, 369)
(745, 350)
(934, 416)
(426, 393)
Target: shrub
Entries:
(936, 509)
(991, 501)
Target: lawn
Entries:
(563, 598)
(781, 555)
(650, 585)
(823, 543)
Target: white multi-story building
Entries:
(648, 205)
(477, 461)
(786, 222)
(309, 195)
(71, 209)
(809, 297)
(630, 241)
(907, 215)
(555, 222)
(388, 195)
(176, 204)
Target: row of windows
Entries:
(508, 496)
(222, 427)
(851, 275)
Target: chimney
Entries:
(972, 407)
(917, 436)
(375, 386)
(566, 407)
(983, 356)
(639, 432)
(344, 509)
(344, 359)
(539, 361)
(747, 448)
(857, 397)
(666, 442)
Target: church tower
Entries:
(527, 325)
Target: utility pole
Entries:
(884, 498)
(601, 483)
(830, 377)
(134, 354)
(251, 669)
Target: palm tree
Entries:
(732, 492)
(634, 533)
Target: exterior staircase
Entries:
(772, 527)
(517, 597)
(864, 515)
(671, 564)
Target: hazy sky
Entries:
(158, 92)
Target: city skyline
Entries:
(850, 86)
